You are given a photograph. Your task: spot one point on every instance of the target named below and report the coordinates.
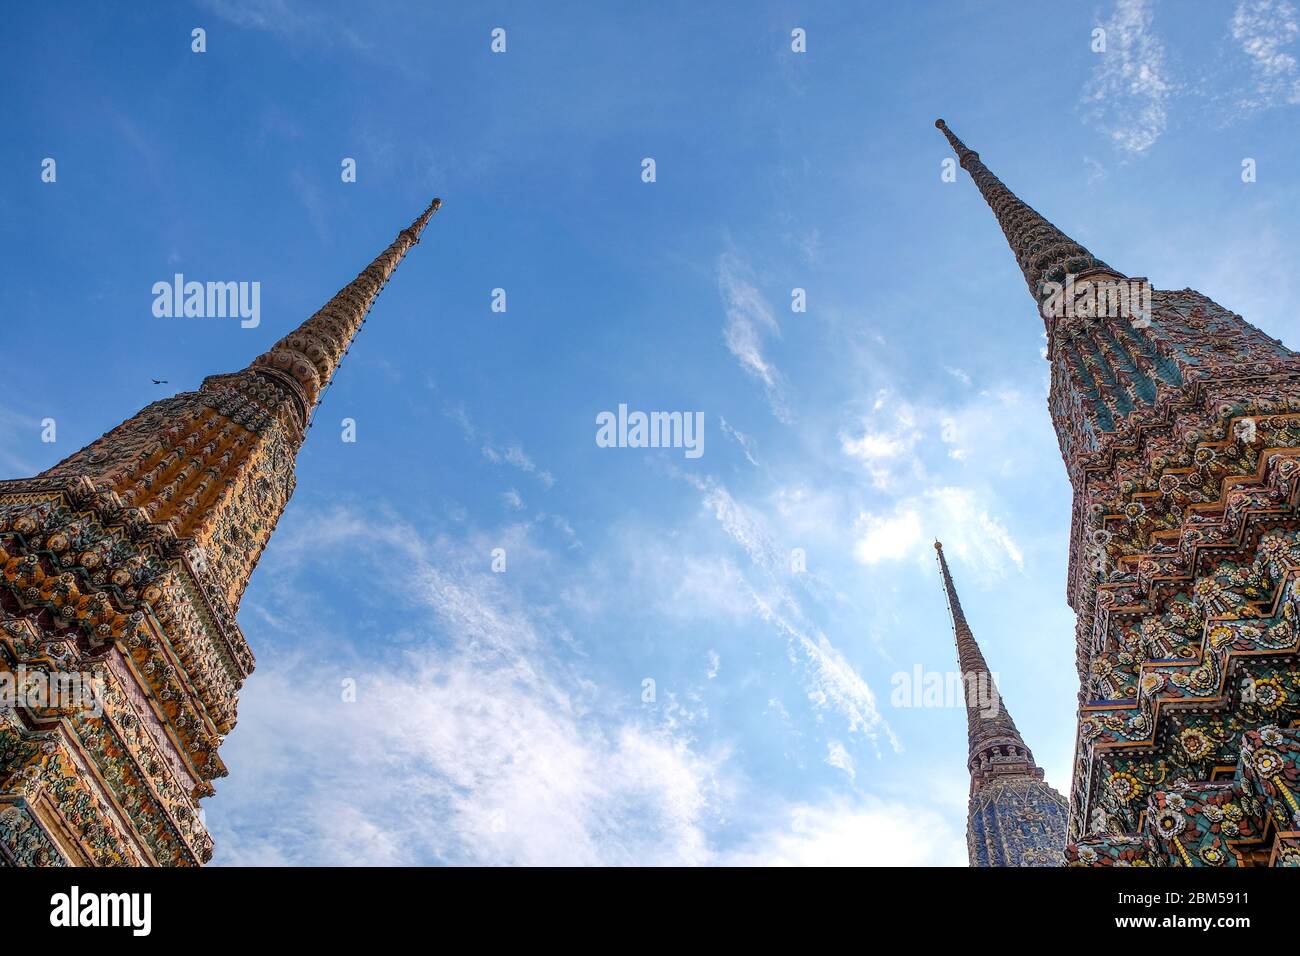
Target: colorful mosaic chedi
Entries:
(125, 564)
(1180, 431)
(1014, 818)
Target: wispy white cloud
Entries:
(1266, 30)
(889, 441)
(480, 744)
(299, 23)
(456, 758)
(808, 243)
(1127, 96)
(511, 454)
(715, 665)
(885, 444)
(837, 755)
(959, 374)
(831, 681)
(957, 516)
(740, 438)
(1132, 86)
(749, 323)
(516, 456)
(941, 468)
(888, 537)
(871, 833)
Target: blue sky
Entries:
(500, 716)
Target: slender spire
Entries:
(1043, 252)
(128, 560)
(996, 747)
(212, 470)
(306, 359)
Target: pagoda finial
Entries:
(1043, 252)
(306, 359)
(960, 148)
(996, 747)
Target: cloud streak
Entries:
(831, 681)
(511, 454)
(478, 745)
(844, 833)
(1265, 29)
(1127, 96)
(749, 324)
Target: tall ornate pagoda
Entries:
(1014, 818)
(126, 562)
(1180, 431)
